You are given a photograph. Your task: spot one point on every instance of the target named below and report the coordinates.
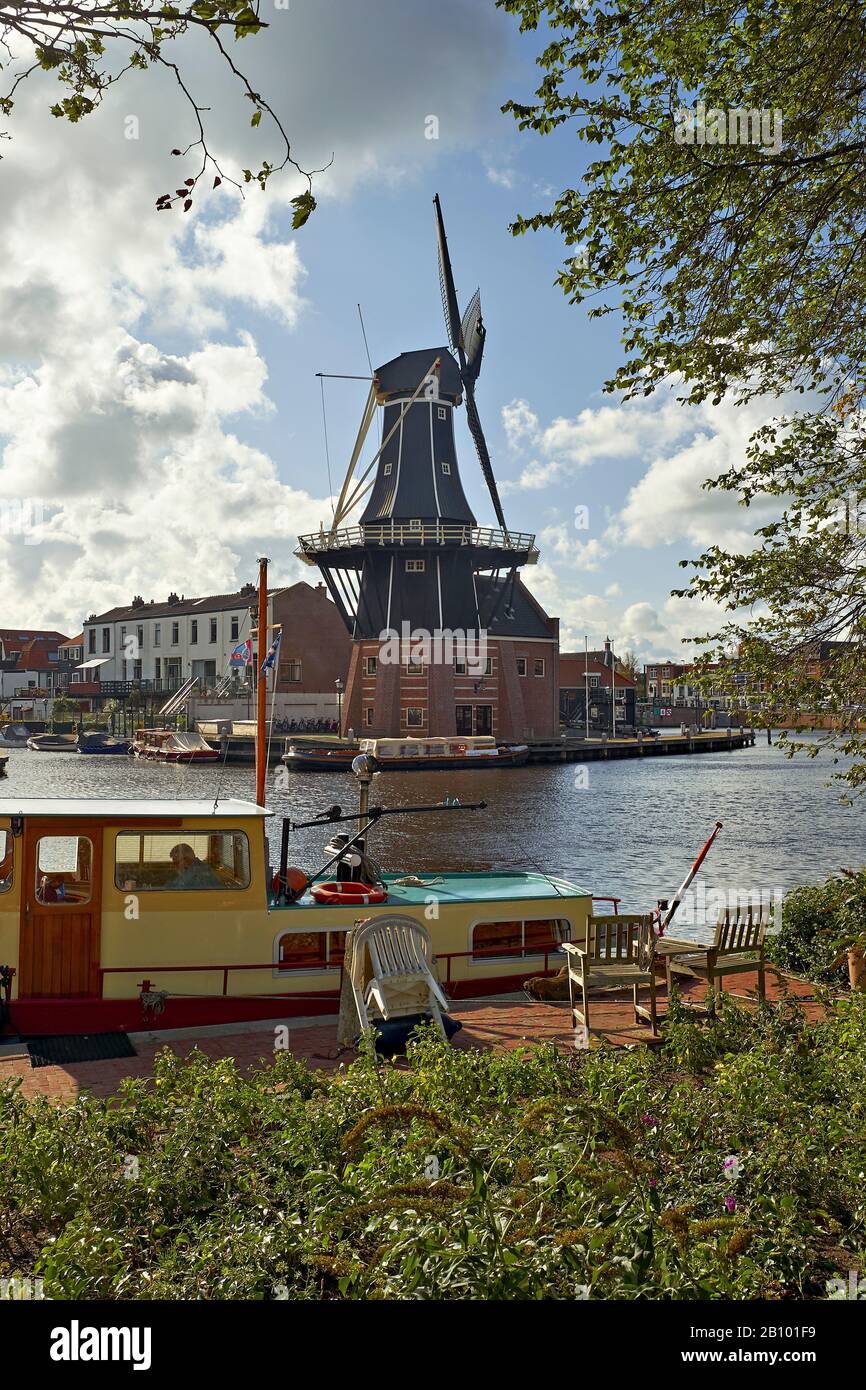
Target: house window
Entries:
(416, 566)
(310, 950)
(157, 634)
(538, 666)
(181, 860)
(139, 633)
(372, 663)
(123, 638)
(368, 715)
(446, 469)
(593, 680)
(235, 628)
(443, 413)
(414, 719)
(106, 639)
(521, 666)
(386, 471)
(193, 632)
(517, 939)
(91, 641)
(175, 634)
(292, 671)
(213, 629)
(64, 869)
(157, 668)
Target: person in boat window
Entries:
(51, 890)
(191, 871)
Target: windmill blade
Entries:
(472, 334)
(483, 453)
(446, 284)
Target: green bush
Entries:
(819, 922)
(728, 1165)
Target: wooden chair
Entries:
(619, 951)
(390, 971)
(738, 948)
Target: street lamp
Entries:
(339, 687)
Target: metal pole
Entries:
(586, 684)
(261, 686)
(612, 691)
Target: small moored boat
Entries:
(100, 742)
(53, 743)
(172, 746)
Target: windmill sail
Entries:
(446, 284)
(473, 333)
(467, 340)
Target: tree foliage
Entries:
(737, 266)
(90, 46)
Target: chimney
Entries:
(608, 654)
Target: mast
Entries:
(262, 686)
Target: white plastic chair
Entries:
(390, 971)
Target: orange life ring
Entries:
(347, 892)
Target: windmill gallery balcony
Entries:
(494, 547)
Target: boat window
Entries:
(518, 938)
(310, 950)
(6, 860)
(64, 869)
(181, 860)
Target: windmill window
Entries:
(368, 715)
(443, 413)
(414, 668)
(415, 524)
(372, 663)
(416, 566)
(521, 666)
(538, 667)
(446, 468)
(386, 470)
(414, 718)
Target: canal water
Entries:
(628, 828)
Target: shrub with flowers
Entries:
(727, 1165)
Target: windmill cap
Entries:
(402, 375)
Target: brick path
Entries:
(497, 1023)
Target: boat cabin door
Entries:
(61, 910)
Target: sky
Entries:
(160, 414)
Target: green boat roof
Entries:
(471, 887)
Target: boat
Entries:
(14, 736)
(410, 755)
(172, 746)
(102, 743)
(53, 743)
(123, 915)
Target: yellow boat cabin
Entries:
(124, 915)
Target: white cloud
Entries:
(137, 450)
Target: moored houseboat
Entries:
(123, 915)
(172, 746)
(411, 755)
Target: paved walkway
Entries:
(501, 1024)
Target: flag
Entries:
(271, 658)
(242, 654)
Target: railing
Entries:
(427, 534)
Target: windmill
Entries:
(417, 556)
